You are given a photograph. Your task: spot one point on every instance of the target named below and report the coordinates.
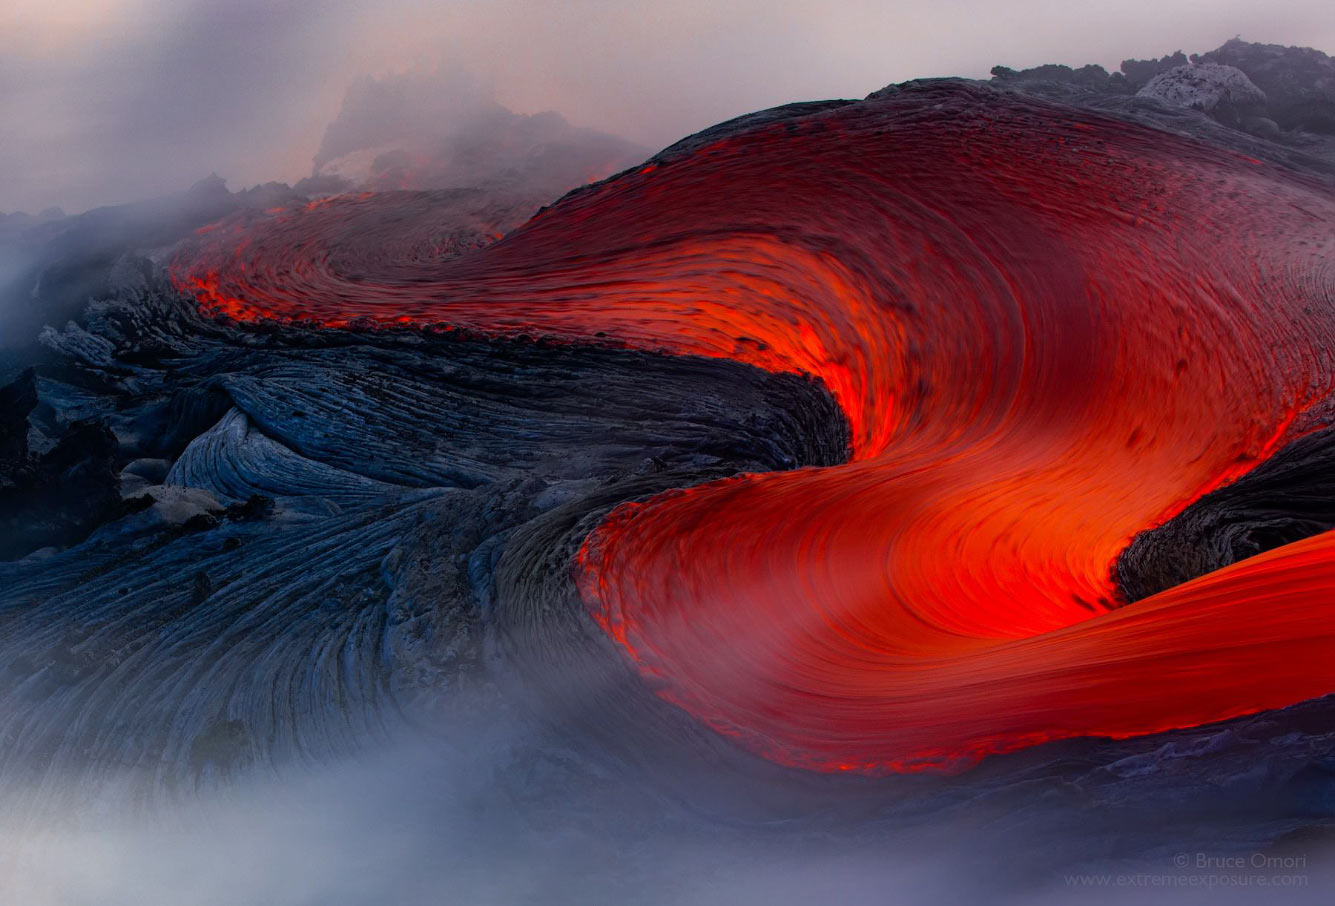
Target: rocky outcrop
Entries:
(1138, 73)
(1222, 91)
(1299, 82)
(1281, 95)
(1086, 78)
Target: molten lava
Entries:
(1048, 332)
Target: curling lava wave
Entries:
(1048, 332)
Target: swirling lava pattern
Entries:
(1048, 331)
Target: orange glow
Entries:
(1046, 335)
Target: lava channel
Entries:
(1048, 331)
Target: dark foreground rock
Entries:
(54, 498)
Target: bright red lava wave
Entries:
(1048, 332)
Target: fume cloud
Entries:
(108, 101)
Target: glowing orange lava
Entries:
(1047, 336)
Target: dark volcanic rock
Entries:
(1299, 82)
(356, 490)
(17, 400)
(1139, 72)
(1284, 96)
(1288, 497)
(1092, 77)
(56, 498)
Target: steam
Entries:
(480, 819)
(439, 130)
(108, 101)
(17, 258)
(482, 824)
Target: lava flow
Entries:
(1048, 331)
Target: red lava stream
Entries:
(1048, 331)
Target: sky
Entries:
(106, 101)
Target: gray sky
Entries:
(103, 101)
